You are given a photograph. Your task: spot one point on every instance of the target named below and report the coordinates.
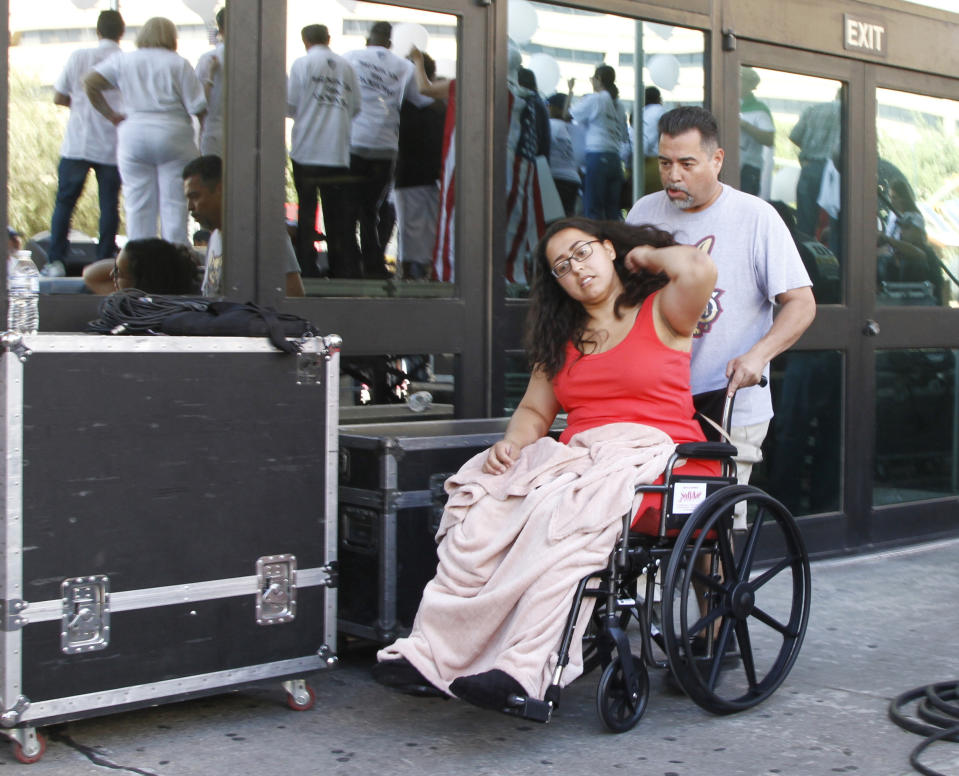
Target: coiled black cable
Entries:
(134, 311)
(938, 706)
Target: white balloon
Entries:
(406, 35)
(663, 70)
(204, 8)
(84, 4)
(522, 21)
(546, 70)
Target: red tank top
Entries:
(641, 380)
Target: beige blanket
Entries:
(512, 548)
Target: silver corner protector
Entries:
(11, 717)
(334, 343)
(327, 655)
(12, 341)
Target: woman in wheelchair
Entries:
(613, 311)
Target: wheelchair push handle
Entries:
(728, 404)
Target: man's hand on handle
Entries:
(744, 371)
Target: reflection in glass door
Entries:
(583, 134)
(917, 266)
(790, 154)
(42, 167)
(918, 209)
(916, 433)
(368, 222)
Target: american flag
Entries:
(525, 222)
(524, 204)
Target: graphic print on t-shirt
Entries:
(713, 307)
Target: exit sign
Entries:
(863, 35)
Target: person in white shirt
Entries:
(323, 96)
(155, 135)
(760, 271)
(562, 158)
(757, 134)
(385, 80)
(602, 116)
(209, 71)
(90, 141)
(653, 110)
(203, 190)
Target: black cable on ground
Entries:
(937, 705)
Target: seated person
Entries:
(609, 335)
(203, 189)
(906, 256)
(151, 265)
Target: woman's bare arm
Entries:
(530, 421)
(692, 277)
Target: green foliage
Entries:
(928, 158)
(36, 129)
(289, 187)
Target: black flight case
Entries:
(391, 500)
(166, 528)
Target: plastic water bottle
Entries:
(23, 292)
(420, 401)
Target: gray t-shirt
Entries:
(757, 260)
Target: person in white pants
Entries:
(155, 136)
(209, 71)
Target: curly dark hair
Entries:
(161, 267)
(555, 318)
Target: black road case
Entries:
(165, 527)
(391, 500)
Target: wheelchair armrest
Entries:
(706, 450)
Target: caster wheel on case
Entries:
(26, 756)
(304, 703)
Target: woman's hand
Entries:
(501, 456)
(639, 258)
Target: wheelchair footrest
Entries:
(530, 708)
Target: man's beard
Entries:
(681, 204)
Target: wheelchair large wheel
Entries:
(618, 706)
(735, 612)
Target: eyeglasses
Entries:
(580, 253)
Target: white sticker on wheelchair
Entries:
(687, 496)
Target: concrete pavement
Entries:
(881, 624)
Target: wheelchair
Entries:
(724, 610)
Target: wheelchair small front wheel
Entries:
(620, 707)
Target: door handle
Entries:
(870, 328)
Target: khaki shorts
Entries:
(748, 441)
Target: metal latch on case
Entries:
(276, 589)
(86, 614)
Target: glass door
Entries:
(860, 162)
(915, 468)
(381, 204)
